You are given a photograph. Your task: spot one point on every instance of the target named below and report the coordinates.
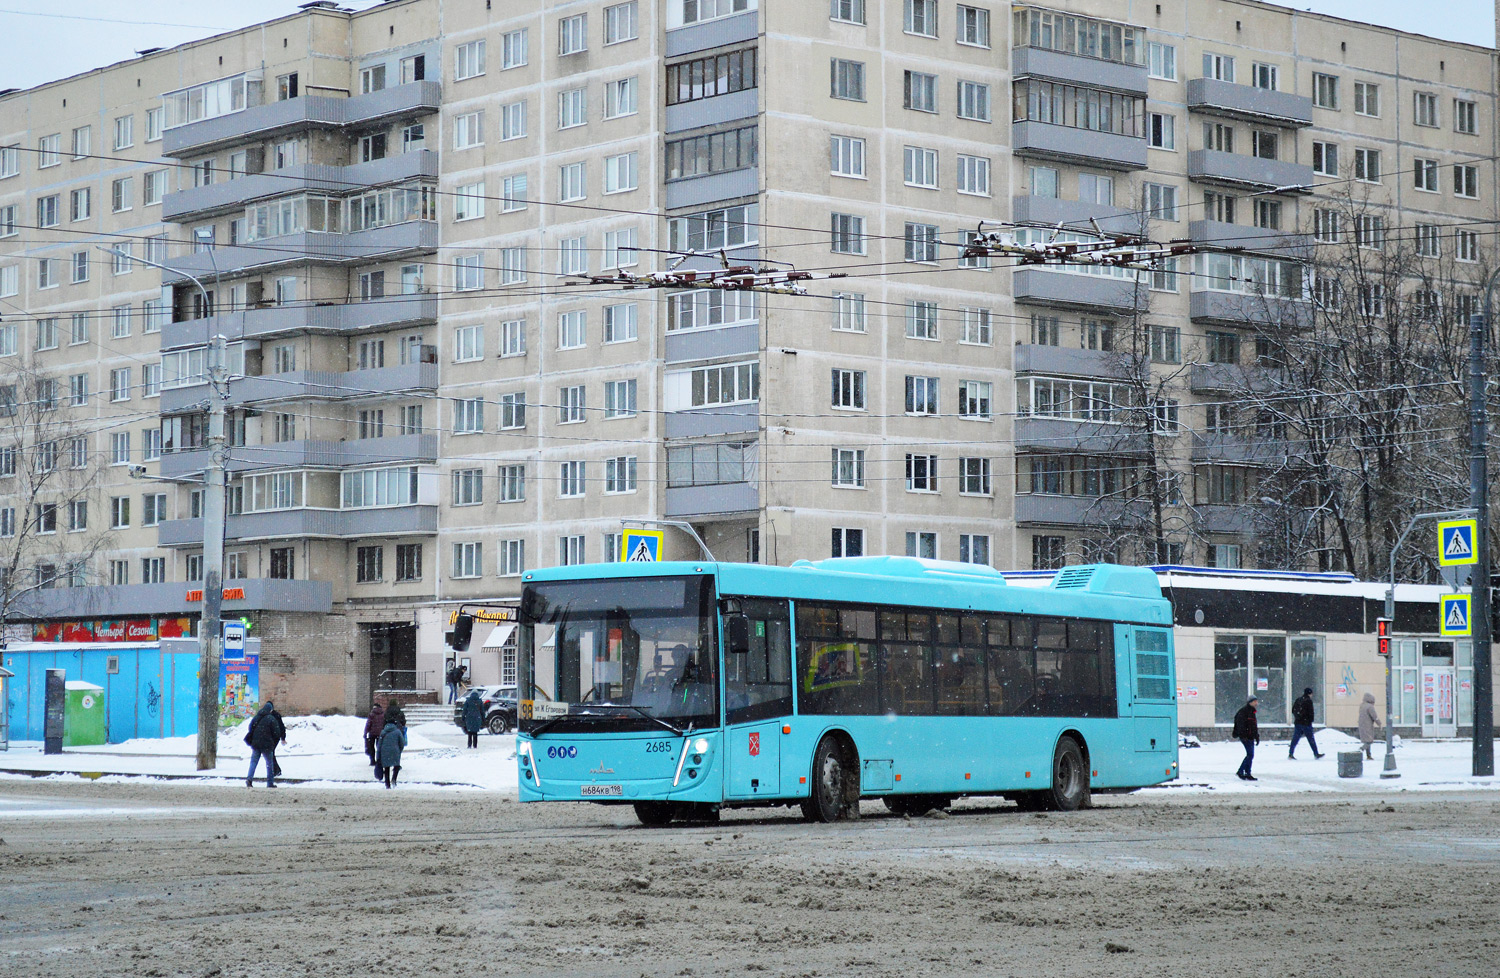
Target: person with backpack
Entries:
(392, 743)
(473, 717)
(266, 731)
(1247, 732)
(1302, 725)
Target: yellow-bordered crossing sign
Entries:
(1456, 542)
(1454, 620)
(644, 546)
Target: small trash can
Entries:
(1351, 764)
(83, 716)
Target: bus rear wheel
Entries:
(831, 797)
(655, 813)
(1070, 781)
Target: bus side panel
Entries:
(1151, 699)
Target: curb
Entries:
(221, 779)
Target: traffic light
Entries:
(463, 629)
(1383, 636)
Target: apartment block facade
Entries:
(392, 217)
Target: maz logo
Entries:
(601, 769)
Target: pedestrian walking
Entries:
(473, 716)
(1302, 724)
(451, 679)
(266, 731)
(1247, 732)
(394, 714)
(392, 743)
(1369, 719)
(373, 725)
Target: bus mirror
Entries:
(737, 631)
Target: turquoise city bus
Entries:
(686, 687)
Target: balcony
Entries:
(309, 454)
(1028, 62)
(1104, 150)
(729, 420)
(386, 521)
(232, 195)
(1063, 435)
(730, 185)
(1248, 172)
(1265, 241)
(1209, 378)
(1214, 97)
(1253, 450)
(306, 112)
(707, 344)
(1037, 509)
(1051, 212)
(375, 244)
(1233, 520)
(713, 33)
(713, 111)
(1071, 290)
(347, 317)
(734, 497)
(1067, 361)
(1239, 309)
(136, 600)
(310, 385)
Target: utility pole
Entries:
(1479, 492)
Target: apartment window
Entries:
(153, 185)
(468, 273)
(1268, 214)
(619, 398)
(1372, 300)
(920, 91)
(1325, 159)
(1048, 552)
(1369, 231)
(1366, 99)
(9, 217)
(921, 18)
(119, 384)
(572, 256)
(725, 227)
(10, 161)
(1161, 61)
(49, 151)
(570, 550)
(1367, 165)
(1044, 182)
(1161, 130)
(848, 468)
(1222, 347)
(621, 249)
(153, 570)
(1264, 145)
(408, 562)
(975, 400)
(1046, 330)
(369, 565)
(849, 312)
(1465, 180)
(119, 512)
(512, 268)
(119, 448)
(620, 173)
(572, 108)
(372, 79)
(620, 323)
(513, 49)
(468, 415)
(47, 211)
(1264, 76)
(1325, 91)
(921, 473)
(513, 190)
(922, 544)
(973, 548)
(468, 559)
(1428, 241)
(468, 343)
(81, 142)
(921, 167)
(468, 130)
(1166, 344)
(621, 22)
(572, 35)
(1425, 109)
(1218, 66)
(1218, 137)
(10, 284)
(847, 11)
(847, 79)
(513, 411)
(513, 483)
(513, 120)
(78, 390)
(153, 508)
(570, 405)
(922, 395)
(921, 320)
(974, 175)
(79, 267)
(1096, 334)
(468, 487)
(570, 479)
(1465, 116)
(846, 156)
(694, 11)
(849, 389)
(468, 60)
(1160, 201)
(973, 101)
(715, 153)
(571, 182)
(411, 419)
(735, 383)
(619, 474)
(973, 26)
(974, 476)
(921, 242)
(848, 233)
(1425, 175)
(468, 202)
(370, 423)
(620, 98)
(1326, 225)
(1466, 243)
(848, 542)
(413, 69)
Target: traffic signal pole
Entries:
(1479, 613)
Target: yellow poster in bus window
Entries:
(833, 665)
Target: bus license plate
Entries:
(605, 790)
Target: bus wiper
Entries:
(549, 724)
(652, 717)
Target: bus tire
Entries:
(655, 813)
(1070, 780)
(829, 793)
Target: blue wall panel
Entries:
(154, 694)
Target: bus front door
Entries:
(758, 700)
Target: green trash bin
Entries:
(83, 715)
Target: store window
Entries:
(1276, 668)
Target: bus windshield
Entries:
(624, 654)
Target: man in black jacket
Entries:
(1247, 732)
(1302, 724)
(266, 731)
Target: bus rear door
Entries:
(758, 700)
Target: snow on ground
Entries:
(329, 752)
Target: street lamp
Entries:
(210, 626)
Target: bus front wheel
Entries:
(831, 797)
(655, 813)
(1070, 781)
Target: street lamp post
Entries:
(210, 626)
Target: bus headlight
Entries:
(700, 746)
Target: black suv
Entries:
(499, 708)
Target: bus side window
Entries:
(836, 666)
(758, 683)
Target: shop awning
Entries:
(499, 635)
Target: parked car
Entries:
(499, 708)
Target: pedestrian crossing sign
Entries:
(643, 546)
(1456, 542)
(1453, 618)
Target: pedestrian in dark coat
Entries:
(1302, 724)
(1247, 732)
(473, 716)
(1369, 719)
(266, 731)
(373, 725)
(392, 743)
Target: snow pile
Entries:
(318, 735)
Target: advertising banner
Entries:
(239, 689)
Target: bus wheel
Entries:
(1070, 783)
(655, 813)
(696, 812)
(829, 796)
